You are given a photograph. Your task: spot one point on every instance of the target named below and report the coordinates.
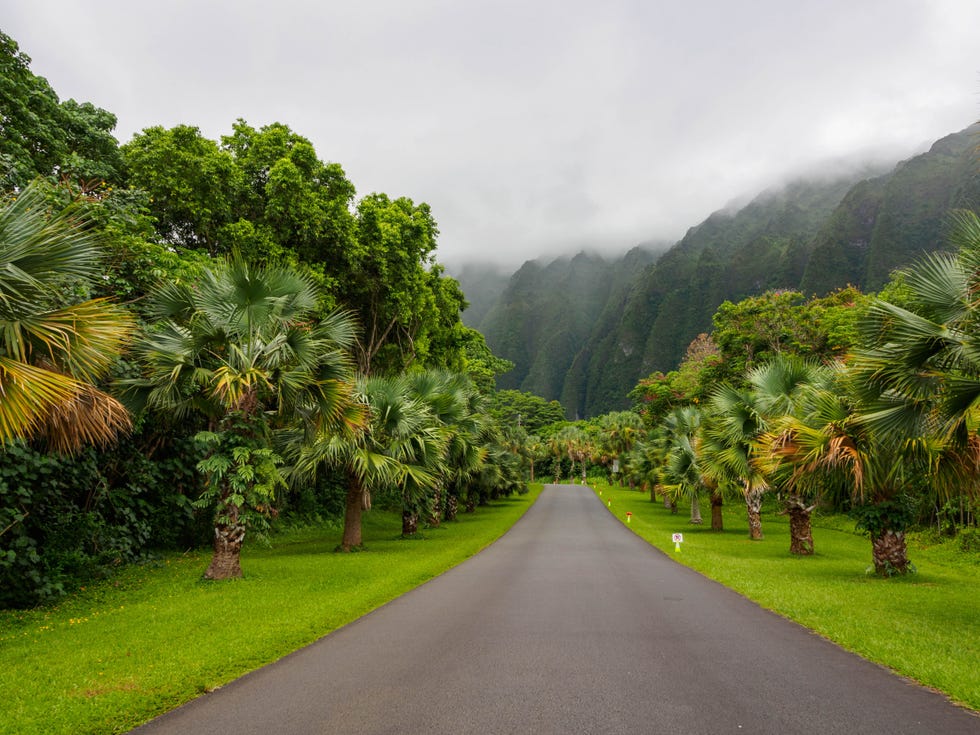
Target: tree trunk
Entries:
(452, 507)
(435, 510)
(889, 553)
(696, 510)
(673, 507)
(668, 505)
(352, 515)
(410, 523)
(753, 506)
(228, 538)
(532, 470)
(717, 523)
(800, 531)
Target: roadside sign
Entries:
(678, 539)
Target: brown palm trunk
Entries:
(717, 522)
(410, 523)
(889, 553)
(452, 507)
(228, 538)
(753, 507)
(352, 515)
(800, 530)
(532, 470)
(435, 512)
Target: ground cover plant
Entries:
(120, 652)
(923, 626)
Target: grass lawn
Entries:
(155, 636)
(925, 626)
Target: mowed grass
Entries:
(925, 626)
(155, 636)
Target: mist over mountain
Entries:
(585, 329)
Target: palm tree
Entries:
(457, 408)
(917, 376)
(781, 388)
(619, 432)
(243, 349)
(574, 443)
(684, 473)
(51, 352)
(534, 449)
(735, 425)
(832, 443)
(556, 448)
(399, 448)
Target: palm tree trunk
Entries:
(800, 530)
(352, 515)
(717, 522)
(532, 470)
(228, 538)
(410, 523)
(753, 506)
(452, 507)
(435, 509)
(696, 510)
(889, 553)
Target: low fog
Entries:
(535, 128)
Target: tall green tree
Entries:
(195, 187)
(43, 136)
(242, 349)
(387, 281)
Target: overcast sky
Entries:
(532, 127)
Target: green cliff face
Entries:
(584, 330)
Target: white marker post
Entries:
(678, 539)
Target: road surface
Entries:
(569, 624)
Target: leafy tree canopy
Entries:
(525, 409)
(42, 136)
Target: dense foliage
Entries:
(260, 287)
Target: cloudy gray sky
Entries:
(532, 127)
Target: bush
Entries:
(65, 520)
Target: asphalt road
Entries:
(570, 624)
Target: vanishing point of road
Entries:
(570, 624)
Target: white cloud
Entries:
(533, 127)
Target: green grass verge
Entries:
(925, 626)
(155, 636)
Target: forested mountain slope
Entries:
(547, 312)
(585, 330)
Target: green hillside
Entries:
(584, 330)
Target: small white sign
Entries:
(678, 538)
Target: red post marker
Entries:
(629, 516)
